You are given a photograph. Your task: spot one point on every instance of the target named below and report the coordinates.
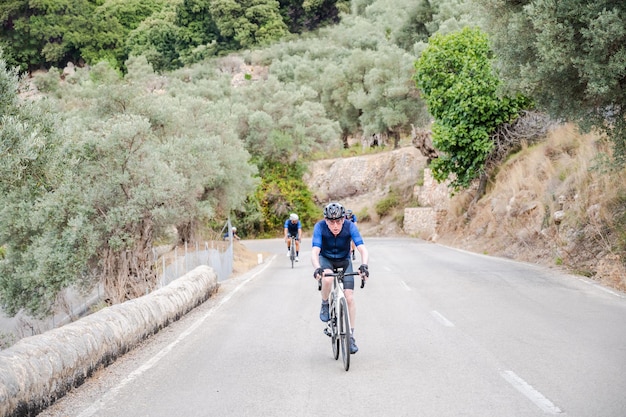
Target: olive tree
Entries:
(283, 122)
(130, 161)
(38, 260)
(387, 99)
(570, 56)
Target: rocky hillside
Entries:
(558, 203)
(360, 182)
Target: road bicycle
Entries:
(338, 327)
(292, 250)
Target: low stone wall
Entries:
(39, 369)
(434, 199)
(420, 221)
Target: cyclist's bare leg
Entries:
(351, 306)
(327, 283)
(297, 247)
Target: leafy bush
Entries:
(458, 83)
(384, 206)
(6, 340)
(281, 192)
(364, 215)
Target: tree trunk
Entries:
(128, 274)
(344, 139)
(185, 232)
(482, 186)
(396, 138)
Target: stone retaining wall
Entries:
(434, 199)
(39, 369)
(420, 221)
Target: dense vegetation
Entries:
(175, 108)
(45, 33)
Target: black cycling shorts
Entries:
(346, 264)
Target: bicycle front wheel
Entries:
(334, 331)
(344, 333)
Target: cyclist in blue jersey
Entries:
(293, 227)
(235, 235)
(331, 249)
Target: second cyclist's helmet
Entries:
(293, 216)
(334, 211)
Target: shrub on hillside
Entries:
(384, 206)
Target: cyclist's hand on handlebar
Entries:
(364, 271)
(318, 273)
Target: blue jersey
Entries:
(292, 228)
(336, 247)
(352, 218)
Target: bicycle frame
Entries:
(292, 250)
(339, 327)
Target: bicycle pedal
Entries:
(327, 332)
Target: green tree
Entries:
(31, 170)
(362, 80)
(44, 33)
(460, 87)
(157, 38)
(570, 56)
(128, 162)
(198, 34)
(283, 122)
(387, 100)
(111, 24)
(246, 23)
(308, 15)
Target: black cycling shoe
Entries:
(353, 347)
(324, 314)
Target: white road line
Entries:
(441, 319)
(96, 406)
(600, 287)
(533, 395)
(405, 285)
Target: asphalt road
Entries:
(441, 333)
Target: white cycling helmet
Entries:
(293, 216)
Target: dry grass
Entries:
(516, 218)
(244, 259)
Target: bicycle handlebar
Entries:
(340, 274)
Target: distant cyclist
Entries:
(331, 249)
(235, 235)
(293, 227)
(352, 217)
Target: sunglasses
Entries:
(335, 221)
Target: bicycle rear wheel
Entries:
(344, 333)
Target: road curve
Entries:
(441, 333)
